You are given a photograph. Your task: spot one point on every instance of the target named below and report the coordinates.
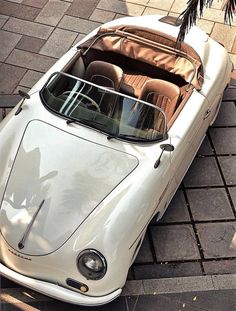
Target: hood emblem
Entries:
(21, 244)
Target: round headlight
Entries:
(92, 264)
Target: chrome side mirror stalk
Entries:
(164, 147)
(25, 96)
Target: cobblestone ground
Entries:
(196, 235)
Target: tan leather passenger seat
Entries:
(161, 93)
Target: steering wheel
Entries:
(92, 102)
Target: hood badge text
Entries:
(18, 255)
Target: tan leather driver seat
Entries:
(107, 75)
(104, 74)
(161, 93)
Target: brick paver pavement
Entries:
(197, 234)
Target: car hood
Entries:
(56, 181)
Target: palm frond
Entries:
(229, 6)
(201, 6)
(189, 17)
(195, 9)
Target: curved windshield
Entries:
(115, 114)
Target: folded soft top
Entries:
(152, 47)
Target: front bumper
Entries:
(56, 291)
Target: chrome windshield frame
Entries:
(56, 73)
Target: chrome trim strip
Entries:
(21, 244)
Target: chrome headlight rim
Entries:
(88, 273)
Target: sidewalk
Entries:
(197, 235)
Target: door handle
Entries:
(207, 113)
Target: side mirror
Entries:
(167, 147)
(25, 96)
(164, 147)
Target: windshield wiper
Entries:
(86, 122)
(128, 137)
(134, 138)
(70, 121)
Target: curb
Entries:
(137, 288)
(179, 285)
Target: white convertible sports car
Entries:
(97, 148)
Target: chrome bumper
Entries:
(56, 291)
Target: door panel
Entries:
(215, 107)
(187, 133)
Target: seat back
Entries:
(104, 74)
(78, 68)
(161, 93)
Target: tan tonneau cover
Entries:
(151, 47)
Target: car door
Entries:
(215, 107)
(168, 181)
(187, 133)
